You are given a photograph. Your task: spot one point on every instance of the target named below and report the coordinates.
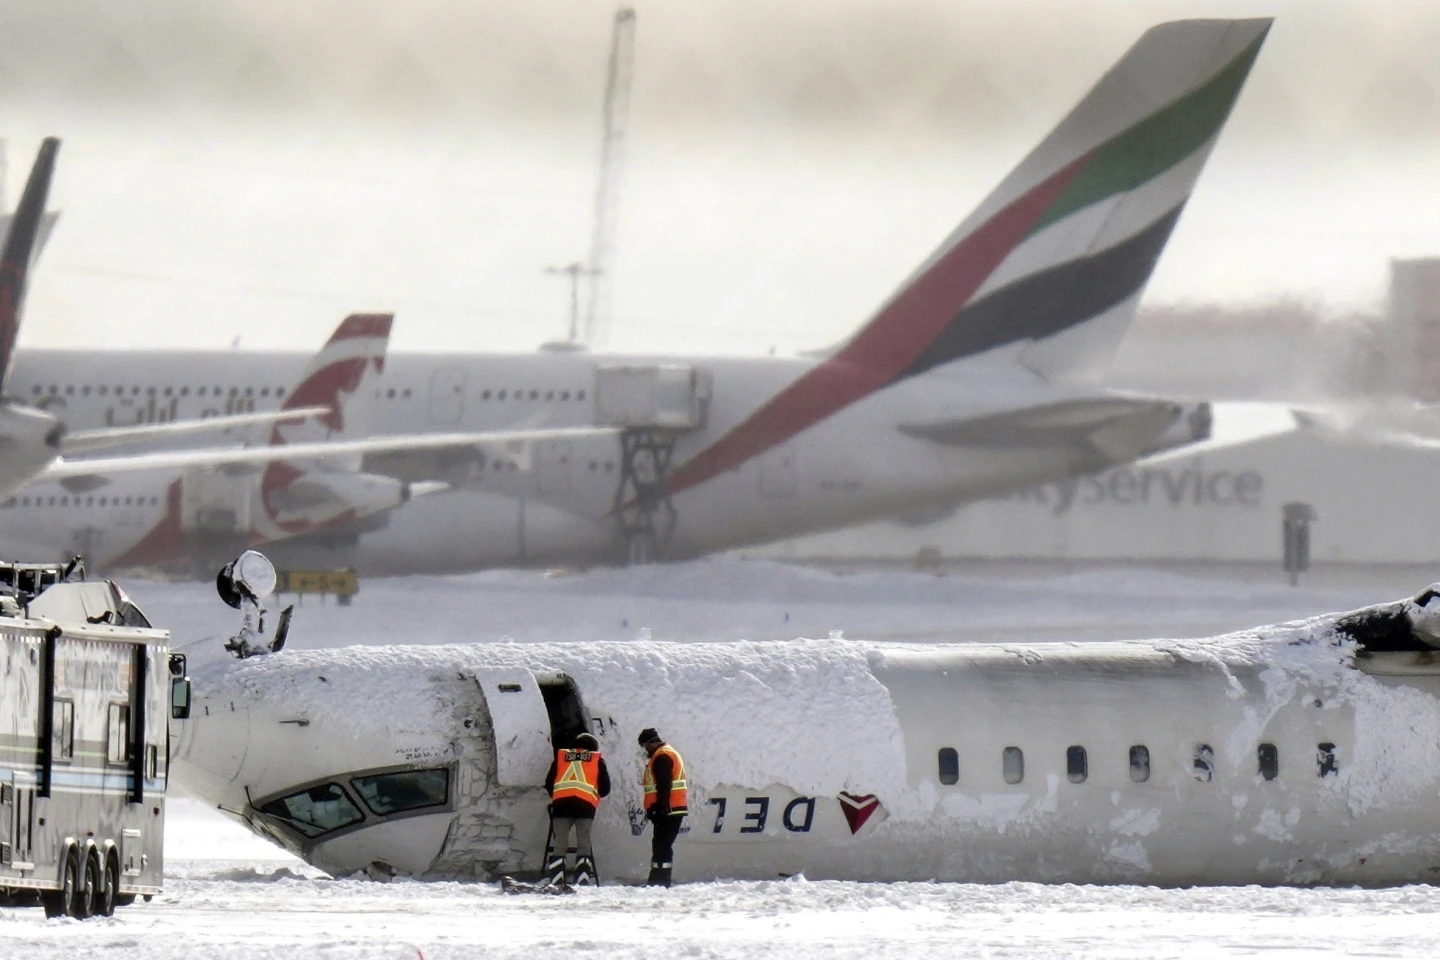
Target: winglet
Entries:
(19, 251)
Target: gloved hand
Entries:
(659, 810)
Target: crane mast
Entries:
(607, 192)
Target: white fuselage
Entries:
(553, 502)
(1275, 757)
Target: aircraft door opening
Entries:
(552, 466)
(521, 720)
(565, 708)
(777, 472)
(447, 394)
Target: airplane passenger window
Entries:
(1139, 763)
(103, 391)
(1014, 765)
(1077, 766)
(1204, 765)
(318, 810)
(949, 766)
(1325, 757)
(387, 793)
(1269, 757)
(580, 395)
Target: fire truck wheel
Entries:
(109, 886)
(88, 887)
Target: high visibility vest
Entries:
(679, 798)
(577, 776)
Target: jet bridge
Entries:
(652, 404)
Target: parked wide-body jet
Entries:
(1304, 753)
(968, 382)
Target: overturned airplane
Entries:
(1304, 753)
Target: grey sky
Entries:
(266, 167)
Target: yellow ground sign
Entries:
(339, 583)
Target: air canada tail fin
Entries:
(19, 252)
(1054, 260)
(1057, 256)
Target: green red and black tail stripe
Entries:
(1081, 241)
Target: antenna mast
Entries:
(607, 192)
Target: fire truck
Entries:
(87, 689)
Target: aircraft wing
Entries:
(244, 459)
(1237, 423)
(84, 441)
(1115, 426)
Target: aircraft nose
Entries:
(210, 753)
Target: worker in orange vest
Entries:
(666, 799)
(577, 781)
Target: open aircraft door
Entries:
(521, 723)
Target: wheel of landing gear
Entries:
(109, 886)
(86, 889)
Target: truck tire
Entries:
(109, 888)
(87, 887)
(60, 903)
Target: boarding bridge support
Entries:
(643, 510)
(652, 404)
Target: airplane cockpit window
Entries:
(387, 793)
(1139, 763)
(1077, 765)
(315, 810)
(1204, 765)
(1269, 757)
(1325, 758)
(1013, 765)
(949, 766)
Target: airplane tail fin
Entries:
(1053, 262)
(19, 252)
(343, 377)
(1057, 255)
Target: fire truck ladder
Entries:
(643, 510)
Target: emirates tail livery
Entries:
(967, 383)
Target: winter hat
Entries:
(587, 741)
(647, 735)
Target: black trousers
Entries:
(662, 841)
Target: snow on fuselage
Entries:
(1286, 755)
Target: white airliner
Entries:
(965, 384)
(1303, 753)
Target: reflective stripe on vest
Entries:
(679, 796)
(577, 776)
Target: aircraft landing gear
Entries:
(643, 511)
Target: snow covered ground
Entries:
(229, 894)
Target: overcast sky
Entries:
(258, 169)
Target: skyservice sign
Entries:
(1181, 486)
